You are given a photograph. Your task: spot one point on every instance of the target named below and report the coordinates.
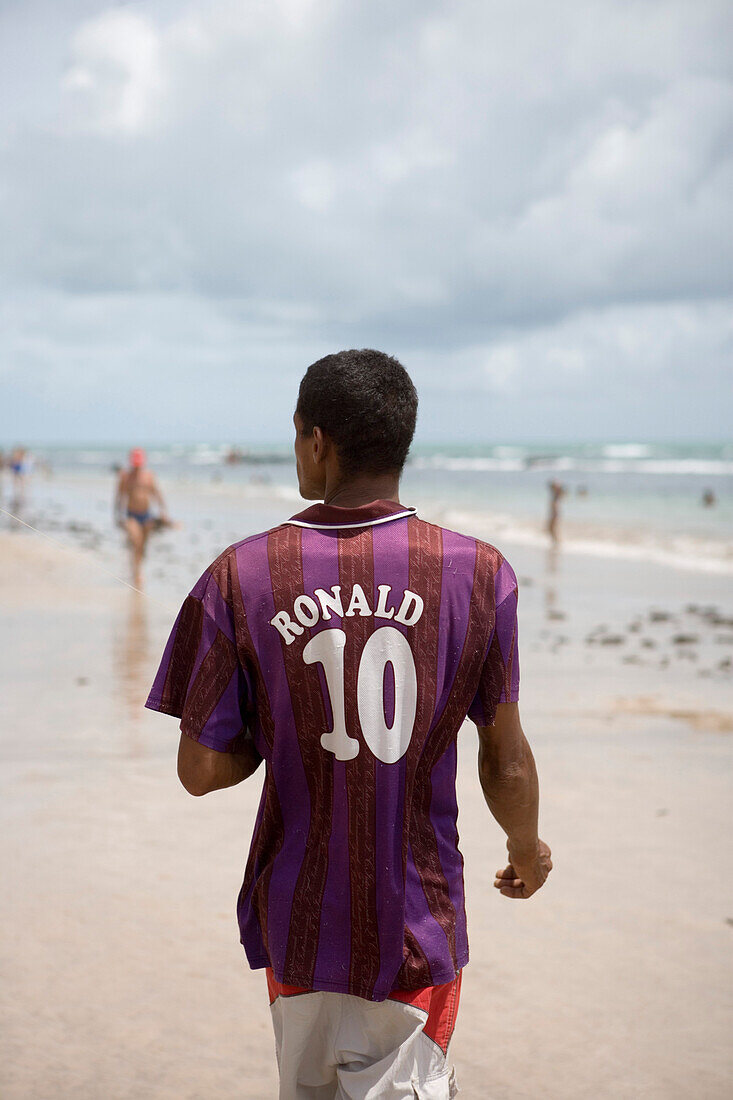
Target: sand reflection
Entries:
(132, 663)
(551, 563)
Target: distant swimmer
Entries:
(708, 498)
(557, 492)
(136, 489)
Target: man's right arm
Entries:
(508, 779)
(202, 770)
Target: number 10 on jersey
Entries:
(387, 645)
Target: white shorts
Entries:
(332, 1046)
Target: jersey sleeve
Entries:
(499, 680)
(200, 679)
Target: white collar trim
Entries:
(351, 526)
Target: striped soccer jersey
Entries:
(349, 644)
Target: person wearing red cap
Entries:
(136, 489)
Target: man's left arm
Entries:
(202, 770)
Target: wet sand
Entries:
(121, 975)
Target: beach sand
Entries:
(121, 975)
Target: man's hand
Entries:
(525, 873)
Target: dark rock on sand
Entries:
(713, 616)
(706, 611)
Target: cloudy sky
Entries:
(530, 204)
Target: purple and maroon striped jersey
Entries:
(349, 644)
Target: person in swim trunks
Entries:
(137, 488)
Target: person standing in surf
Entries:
(557, 492)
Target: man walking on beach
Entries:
(345, 648)
(137, 487)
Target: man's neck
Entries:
(359, 491)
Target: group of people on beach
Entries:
(137, 489)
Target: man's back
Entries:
(345, 647)
(351, 644)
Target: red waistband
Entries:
(438, 1002)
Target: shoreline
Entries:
(70, 500)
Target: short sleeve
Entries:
(200, 679)
(499, 680)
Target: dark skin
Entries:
(320, 476)
(506, 766)
(508, 779)
(202, 770)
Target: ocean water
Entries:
(630, 500)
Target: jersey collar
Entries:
(329, 517)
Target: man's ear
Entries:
(319, 443)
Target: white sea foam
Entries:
(93, 458)
(457, 464)
(587, 465)
(627, 450)
(668, 466)
(205, 455)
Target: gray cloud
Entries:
(523, 198)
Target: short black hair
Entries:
(366, 403)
